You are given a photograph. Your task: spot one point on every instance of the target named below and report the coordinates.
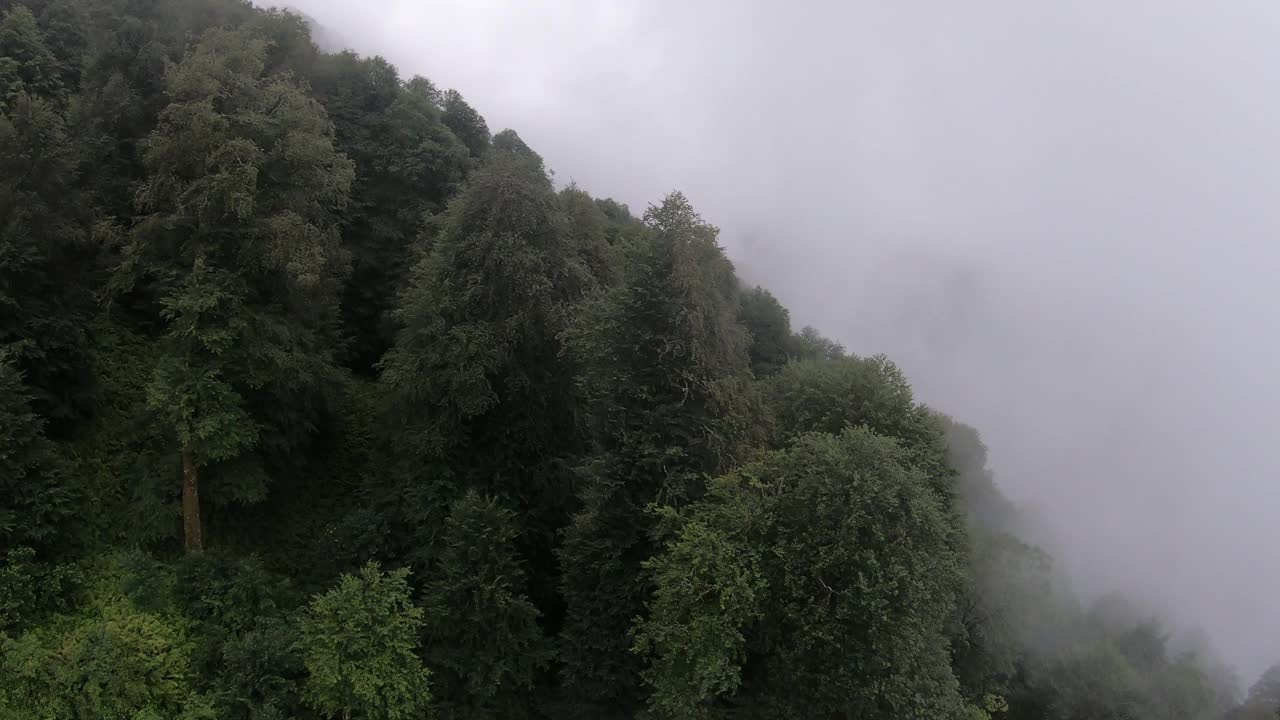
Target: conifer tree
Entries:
(480, 398)
(665, 379)
(482, 634)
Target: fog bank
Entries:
(1059, 220)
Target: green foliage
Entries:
(666, 386)
(627, 487)
(811, 345)
(663, 357)
(33, 504)
(1008, 596)
(847, 391)
(240, 253)
(466, 123)
(482, 635)
(477, 392)
(30, 589)
(261, 672)
(42, 244)
(589, 232)
(122, 465)
(26, 64)
(408, 163)
(243, 634)
(111, 659)
(709, 588)
(856, 570)
(772, 342)
(359, 643)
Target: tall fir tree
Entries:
(480, 398)
(666, 383)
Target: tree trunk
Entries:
(191, 538)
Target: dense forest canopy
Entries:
(318, 399)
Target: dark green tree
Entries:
(66, 26)
(239, 252)
(482, 635)
(47, 269)
(666, 383)
(812, 345)
(33, 503)
(772, 342)
(479, 397)
(407, 164)
(830, 566)
(466, 123)
(588, 229)
(847, 391)
(27, 67)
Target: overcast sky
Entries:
(1062, 219)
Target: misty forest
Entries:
(319, 398)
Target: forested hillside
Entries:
(320, 400)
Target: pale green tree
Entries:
(359, 643)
